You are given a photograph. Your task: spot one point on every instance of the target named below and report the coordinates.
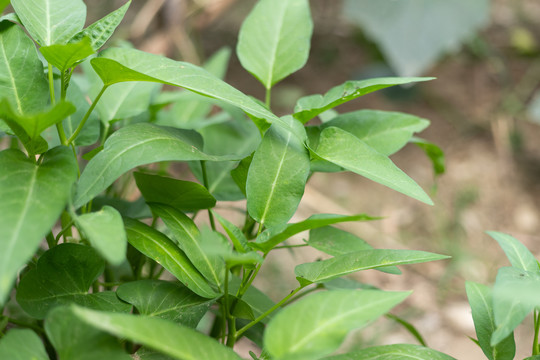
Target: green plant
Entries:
(100, 277)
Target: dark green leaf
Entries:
(235, 234)
(310, 106)
(33, 197)
(65, 56)
(3, 5)
(181, 195)
(434, 153)
(321, 271)
(317, 324)
(257, 300)
(519, 256)
(242, 310)
(274, 39)
(165, 300)
(62, 276)
(239, 174)
(159, 247)
(22, 344)
(393, 352)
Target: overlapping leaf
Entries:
(391, 352)
(22, 344)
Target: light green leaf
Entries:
(100, 31)
(165, 300)
(33, 196)
(187, 236)
(310, 106)
(22, 344)
(519, 256)
(177, 341)
(480, 299)
(125, 100)
(136, 145)
(432, 28)
(346, 150)
(272, 237)
(433, 152)
(3, 5)
(51, 21)
(332, 268)
(317, 324)
(277, 176)
(385, 131)
(235, 234)
(22, 81)
(62, 276)
(105, 231)
(159, 247)
(274, 39)
(179, 194)
(218, 63)
(65, 56)
(392, 352)
(73, 339)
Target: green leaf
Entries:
(392, 352)
(22, 344)
(136, 145)
(324, 270)
(317, 324)
(100, 31)
(159, 247)
(147, 354)
(62, 276)
(73, 339)
(33, 197)
(480, 299)
(434, 153)
(22, 81)
(335, 242)
(218, 63)
(519, 256)
(385, 131)
(51, 21)
(104, 229)
(177, 341)
(188, 238)
(165, 300)
(409, 327)
(272, 237)
(65, 56)
(277, 176)
(120, 64)
(235, 234)
(346, 150)
(3, 5)
(257, 300)
(310, 106)
(433, 28)
(179, 194)
(274, 39)
(239, 174)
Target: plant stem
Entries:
(87, 115)
(51, 242)
(205, 183)
(290, 246)
(535, 347)
(267, 97)
(59, 125)
(269, 311)
(26, 325)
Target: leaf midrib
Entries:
(11, 77)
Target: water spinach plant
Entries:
(90, 269)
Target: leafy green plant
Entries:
(119, 276)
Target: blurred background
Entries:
(484, 109)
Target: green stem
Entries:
(26, 325)
(87, 115)
(267, 97)
(51, 242)
(535, 347)
(59, 125)
(205, 183)
(269, 311)
(289, 246)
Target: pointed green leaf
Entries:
(100, 31)
(179, 194)
(519, 256)
(332, 268)
(480, 298)
(187, 236)
(159, 247)
(433, 152)
(33, 197)
(165, 300)
(22, 81)
(235, 234)
(133, 146)
(104, 229)
(177, 341)
(274, 39)
(257, 300)
(62, 276)
(277, 177)
(384, 131)
(65, 56)
(310, 106)
(218, 63)
(272, 237)
(22, 344)
(344, 149)
(317, 324)
(51, 21)
(73, 339)
(239, 174)
(392, 352)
